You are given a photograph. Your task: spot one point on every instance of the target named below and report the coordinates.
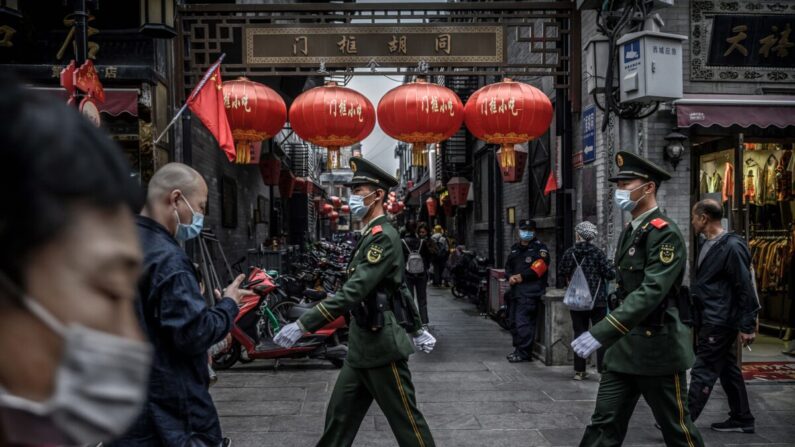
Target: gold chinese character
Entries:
(736, 39)
(493, 106)
(782, 49)
(444, 43)
(343, 108)
(450, 107)
(244, 103)
(347, 45)
(7, 33)
(111, 72)
(434, 104)
(93, 48)
(425, 104)
(301, 44)
(512, 107)
(227, 102)
(332, 107)
(359, 112)
(397, 45)
(56, 71)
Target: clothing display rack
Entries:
(772, 253)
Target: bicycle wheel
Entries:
(279, 311)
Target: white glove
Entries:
(289, 334)
(425, 342)
(585, 345)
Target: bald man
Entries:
(179, 410)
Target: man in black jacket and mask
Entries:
(726, 306)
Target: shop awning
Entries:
(735, 110)
(117, 100)
(414, 194)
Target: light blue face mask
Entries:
(623, 200)
(358, 208)
(526, 235)
(185, 231)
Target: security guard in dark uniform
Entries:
(382, 314)
(526, 271)
(648, 347)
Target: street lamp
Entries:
(675, 148)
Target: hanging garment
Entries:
(768, 181)
(703, 183)
(715, 183)
(784, 178)
(728, 183)
(751, 185)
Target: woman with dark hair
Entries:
(69, 266)
(417, 255)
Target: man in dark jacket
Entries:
(727, 306)
(417, 282)
(526, 270)
(179, 410)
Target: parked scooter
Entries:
(262, 315)
(470, 279)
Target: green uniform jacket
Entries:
(647, 272)
(377, 265)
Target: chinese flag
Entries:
(552, 183)
(207, 102)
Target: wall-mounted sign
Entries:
(395, 45)
(577, 160)
(742, 41)
(589, 134)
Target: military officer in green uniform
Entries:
(379, 346)
(648, 347)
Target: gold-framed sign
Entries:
(459, 45)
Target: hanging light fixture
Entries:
(157, 19)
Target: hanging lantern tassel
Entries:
(419, 154)
(333, 157)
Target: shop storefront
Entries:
(743, 158)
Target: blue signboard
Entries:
(632, 51)
(589, 134)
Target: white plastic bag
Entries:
(578, 294)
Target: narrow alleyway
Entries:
(470, 395)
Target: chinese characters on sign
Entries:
(93, 47)
(463, 45)
(589, 134)
(491, 107)
(234, 102)
(746, 41)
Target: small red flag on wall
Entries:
(552, 183)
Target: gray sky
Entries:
(379, 147)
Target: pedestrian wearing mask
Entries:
(179, 410)
(727, 307)
(376, 367)
(526, 270)
(649, 349)
(416, 252)
(598, 272)
(75, 362)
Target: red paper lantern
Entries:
(255, 113)
(270, 168)
(345, 209)
(458, 187)
(430, 203)
(334, 216)
(332, 117)
(327, 209)
(420, 113)
(335, 202)
(286, 184)
(508, 113)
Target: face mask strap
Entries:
(44, 315)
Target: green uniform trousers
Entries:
(392, 389)
(615, 402)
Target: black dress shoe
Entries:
(516, 358)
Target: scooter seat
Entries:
(314, 295)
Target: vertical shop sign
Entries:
(589, 134)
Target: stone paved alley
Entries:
(470, 395)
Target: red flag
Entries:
(552, 183)
(207, 102)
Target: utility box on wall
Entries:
(650, 66)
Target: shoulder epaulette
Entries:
(377, 229)
(659, 223)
